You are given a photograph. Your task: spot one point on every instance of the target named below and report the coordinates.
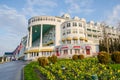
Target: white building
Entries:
(63, 36)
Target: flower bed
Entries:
(86, 69)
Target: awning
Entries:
(76, 47)
(37, 50)
(68, 38)
(32, 50)
(64, 47)
(86, 39)
(51, 42)
(44, 44)
(81, 38)
(88, 47)
(63, 39)
(45, 50)
(75, 38)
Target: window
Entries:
(94, 30)
(68, 31)
(77, 51)
(89, 35)
(80, 25)
(65, 51)
(74, 24)
(75, 41)
(68, 24)
(63, 27)
(74, 30)
(80, 31)
(69, 42)
(88, 29)
(95, 36)
(37, 54)
(63, 42)
(63, 32)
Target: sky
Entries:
(14, 15)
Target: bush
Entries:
(103, 57)
(116, 57)
(53, 59)
(75, 57)
(43, 61)
(81, 56)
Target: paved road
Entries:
(11, 70)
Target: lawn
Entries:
(67, 69)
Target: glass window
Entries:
(63, 27)
(88, 29)
(77, 51)
(80, 25)
(75, 41)
(74, 30)
(89, 35)
(80, 31)
(68, 24)
(68, 31)
(65, 51)
(37, 54)
(74, 24)
(69, 42)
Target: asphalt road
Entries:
(11, 70)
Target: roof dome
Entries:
(66, 16)
(76, 18)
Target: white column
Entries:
(41, 35)
(73, 52)
(2, 59)
(30, 43)
(68, 51)
(27, 40)
(40, 54)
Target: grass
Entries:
(115, 66)
(29, 72)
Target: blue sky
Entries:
(14, 15)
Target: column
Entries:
(41, 35)
(40, 54)
(73, 52)
(28, 56)
(27, 40)
(30, 43)
(68, 51)
(2, 59)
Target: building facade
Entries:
(62, 36)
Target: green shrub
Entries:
(53, 59)
(81, 56)
(43, 61)
(75, 57)
(116, 57)
(103, 57)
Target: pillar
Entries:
(28, 56)
(2, 59)
(30, 42)
(27, 41)
(41, 35)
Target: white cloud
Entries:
(114, 16)
(39, 7)
(79, 6)
(13, 26)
